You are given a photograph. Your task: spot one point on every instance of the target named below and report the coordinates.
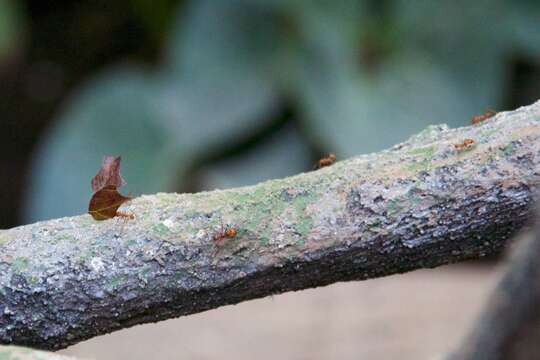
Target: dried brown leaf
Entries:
(104, 203)
(109, 174)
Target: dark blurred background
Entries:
(213, 94)
(200, 94)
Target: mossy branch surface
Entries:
(422, 203)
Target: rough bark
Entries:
(422, 203)
(509, 328)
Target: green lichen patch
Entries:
(84, 258)
(178, 275)
(175, 279)
(488, 133)
(188, 229)
(131, 242)
(32, 280)
(4, 239)
(509, 149)
(426, 151)
(373, 225)
(160, 228)
(20, 264)
(304, 226)
(62, 238)
(304, 222)
(117, 280)
(145, 273)
(254, 208)
(417, 166)
(424, 163)
(167, 199)
(394, 206)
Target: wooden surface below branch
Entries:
(509, 327)
(20, 353)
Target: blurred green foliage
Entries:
(10, 26)
(359, 75)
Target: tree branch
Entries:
(422, 203)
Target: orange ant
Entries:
(466, 144)
(325, 161)
(125, 215)
(479, 118)
(227, 232)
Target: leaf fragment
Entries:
(104, 203)
(109, 174)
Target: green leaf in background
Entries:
(10, 26)
(207, 114)
(448, 26)
(285, 153)
(354, 113)
(112, 115)
(217, 82)
(224, 40)
(473, 40)
(155, 15)
(355, 105)
(221, 55)
(470, 30)
(523, 18)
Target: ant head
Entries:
(231, 232)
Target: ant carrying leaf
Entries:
(106, 199)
